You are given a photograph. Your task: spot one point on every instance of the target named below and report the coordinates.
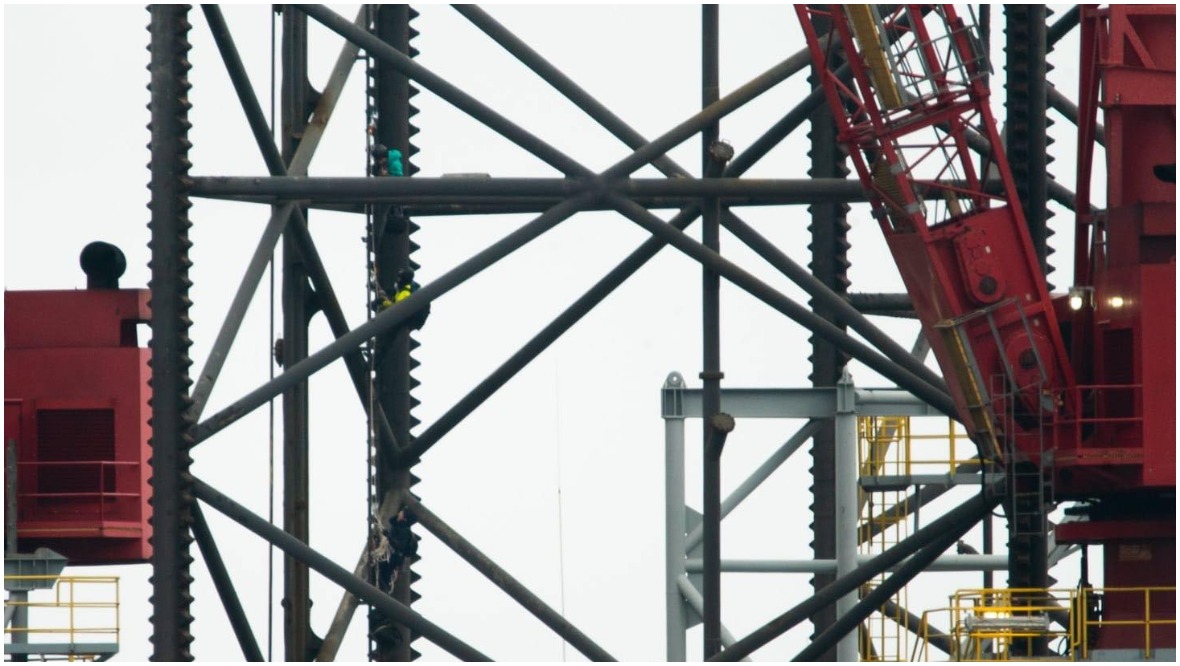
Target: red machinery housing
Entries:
(1125, 343)
(76, 410)
(1125, 256)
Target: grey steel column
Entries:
(20, 621)
(296, 314)
(1027, 148)
(1027, 130)
(711, 343)
(393, 247)
(674, 518)
(847, 504)
(16, 612)
(989, 581)
(10, 495)
(172, 429)
(829, 263)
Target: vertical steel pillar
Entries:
(985, 39)
(393, 246)
(20, 621)
(10, 495)
(847, 505)
(16, 611)
(171, 441)
(1027, 148)
(16, 600)
(1028, 123)
(297, 311)
(829, 263)
(675, 520)
(711, 329)
(989, 580)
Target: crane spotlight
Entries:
(1079, 297)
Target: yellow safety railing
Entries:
(883, 449)
(893, 446)
(892, 449)
(79, 609)
(993, 624)
(1089, 627)
(1005, 624)
(924, 633)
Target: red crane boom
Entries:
(909, 104)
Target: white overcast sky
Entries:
(582, 421)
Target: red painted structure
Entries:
(1126, 340)
(76, 406)
(964, 253)
(1097, 417)
(1127, 253)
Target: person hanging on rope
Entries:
(395, 546)
(404, 287)
(388, 162)
(398, 544)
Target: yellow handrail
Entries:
(1005, 617)
(1147, 622)
(90, 605)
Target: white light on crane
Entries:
(1080, 297)
(1116, 302)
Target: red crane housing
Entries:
(76, 409)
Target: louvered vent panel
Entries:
(75, 435)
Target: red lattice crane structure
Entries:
(914, 102)
(1075, 405)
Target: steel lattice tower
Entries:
(399, 206)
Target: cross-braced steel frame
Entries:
(384, 35)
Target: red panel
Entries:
(1159, 219)
(1138, 564)
(1139, 95)
(88, 318)
(1141, 32)
(1158, 329)
(944, 286)
(1122, 530)
(83, 457)
(1129, 338)
(12, 420)
(1133, 154)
